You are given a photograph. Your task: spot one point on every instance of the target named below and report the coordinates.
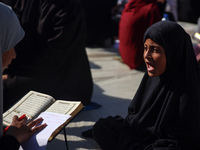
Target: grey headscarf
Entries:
(10, 34)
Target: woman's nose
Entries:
(146, 53)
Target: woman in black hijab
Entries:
(165, 111)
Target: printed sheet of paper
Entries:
(39, 140)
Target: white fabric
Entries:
(10, 34)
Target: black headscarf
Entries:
(165, 111)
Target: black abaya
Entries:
(51, 58)
(164, 113)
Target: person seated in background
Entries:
(136, 17)
(11, 34)
(51, 58)
(116, 15)
(164, 113)
(172, 9)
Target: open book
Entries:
(33, 103)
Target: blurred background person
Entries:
(136, 17)
(11, 34)
(186, 11)
(172, 8)
(99, 22)
(51, 58)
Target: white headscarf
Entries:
(10, 34)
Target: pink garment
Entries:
(197, 52)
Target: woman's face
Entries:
(154, 57)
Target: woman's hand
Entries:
(22, 131)
(4, 77)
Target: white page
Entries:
(31, 105)
(39, 140)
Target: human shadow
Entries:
(94, 66)
(85, 120)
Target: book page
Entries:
(63, 107)
(31, 105)
(39, 140)
(67, 108)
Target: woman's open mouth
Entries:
(150, 67)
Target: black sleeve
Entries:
(9, 142)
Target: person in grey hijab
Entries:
(10, 34)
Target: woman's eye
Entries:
(155, 50)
